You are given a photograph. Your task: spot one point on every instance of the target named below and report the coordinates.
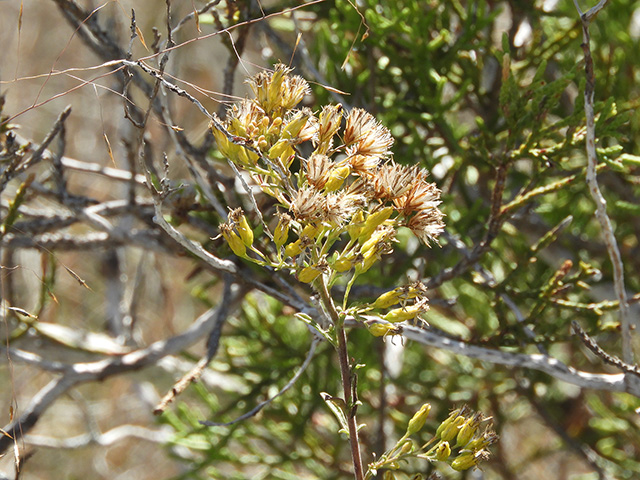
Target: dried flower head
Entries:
(420, 196)
(393, 181)
(329, 122)
(427, 225)
(277, 91)
(364, 135)
(293, 90)
(308, 204)
(317, 168)
(340, 207)
(363, 164)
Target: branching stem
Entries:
(345, 375)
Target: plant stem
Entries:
(345, 374)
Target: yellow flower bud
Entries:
(309, 274)
(337, 178)
(452, 416)
(419, 418)
(245, 157)
(468, 430)
(355, 226)
(275, 125)
(234, 241)
(487, 438)
(404, 313)
(388, 299)
(311, 230)
(246, 234)
(452, 429)
(368, 259)
(407, 447)
(293, 249)
(464, 461)
(343, 265)
(374, 239)
(293, 127)
(382, 329)
(374, 221)
(278, 149)
(443, 451)
(281, 232)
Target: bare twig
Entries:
(622, 382)
(591, 344)
(36, 156)
(594, 189)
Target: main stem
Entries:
(345, 374)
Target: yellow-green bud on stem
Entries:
(292, 129)
(278, 149)
(368, 259)
(293, 249)
(374, 221)
(468, 430)
(388, 299)
(443, 451)
(487, 438)
(355, 226)
(375, 238)
(246, 234)
(337, 178)
(404, 313)
(407, 447)
(343, 265)
(417, 421)
(451, 432)
(382, 329)
(309, 274)
(235, 242)
(281, 232)
(311, 230)
(465, 461)
(445, 424)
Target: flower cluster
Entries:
(341, 195)
(458, 441)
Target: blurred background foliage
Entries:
(478, 92)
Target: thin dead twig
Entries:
(594, 189)
(622, 382)
(591, 344)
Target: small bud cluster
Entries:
(348, 188)
(458, 441)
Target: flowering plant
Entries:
(340, 202)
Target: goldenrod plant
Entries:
(340, 206)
